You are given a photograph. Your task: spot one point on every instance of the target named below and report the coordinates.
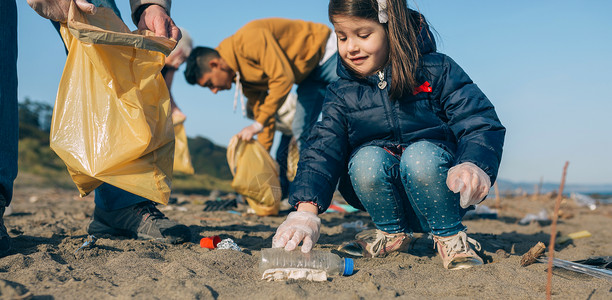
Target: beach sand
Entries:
(48, 227)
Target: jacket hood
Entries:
(427, 44)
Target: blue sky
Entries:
(545, 65)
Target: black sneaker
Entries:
(142, 221)
(5, 239)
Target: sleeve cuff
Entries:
(257, 126)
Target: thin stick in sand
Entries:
(553, 233)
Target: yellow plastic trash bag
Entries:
(255, 175)
(111, 118)
(292, 159)
(182, 159)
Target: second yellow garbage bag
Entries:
(182, 159)
(111, 119)
(255, 175)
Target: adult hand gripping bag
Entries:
(256, 175)
(111, 121)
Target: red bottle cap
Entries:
(210, 242)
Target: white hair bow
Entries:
(382, 11)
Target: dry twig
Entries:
(553, 233)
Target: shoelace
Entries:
(148, 210)
(459, 243)
(378, 239)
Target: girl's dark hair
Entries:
(402, 30)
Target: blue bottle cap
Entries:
(348, 266)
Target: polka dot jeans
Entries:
(409, 193)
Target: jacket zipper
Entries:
(382, 84)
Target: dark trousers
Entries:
(9, 121)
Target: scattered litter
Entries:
(572, 236)
(228, 244)
(481, 211)
(356, 225)
(542, 218)
(217, 205)
(89, 242)
(581, 268)
(584, 200)
(234, 212)
(172, 200)
(604, 262)
(533, 254)
(172, 207)
(210, 242)
(345, 208)
(33, 199)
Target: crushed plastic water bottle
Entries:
(542, 218)
(356, 225)
(278, 264)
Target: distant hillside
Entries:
(529, 187)
(208, 158)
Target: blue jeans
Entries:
(9, 121)
(407, 193)
(311, 93)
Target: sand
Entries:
(48, 226)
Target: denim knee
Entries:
(369, 167)
(425, 162)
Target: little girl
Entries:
(403, 130)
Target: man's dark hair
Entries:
(197, 63)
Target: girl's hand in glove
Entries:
(470, 181)
(300, 226)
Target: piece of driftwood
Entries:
(532, 255)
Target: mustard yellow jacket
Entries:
(271, 55)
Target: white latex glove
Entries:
(57, 10)
(247, 133)
(300, 226)
(470, 181)
(155, 18)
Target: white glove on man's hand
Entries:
(247, 133)
(300, 226)
(470, 181)
(57, 10)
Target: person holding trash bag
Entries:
(9, 123)
(119, 212)
(404, 129)
(182, 159)
(266, 58)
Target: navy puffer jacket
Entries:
(455, 115)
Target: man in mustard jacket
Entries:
(266, 58)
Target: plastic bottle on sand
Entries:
(275, 258)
